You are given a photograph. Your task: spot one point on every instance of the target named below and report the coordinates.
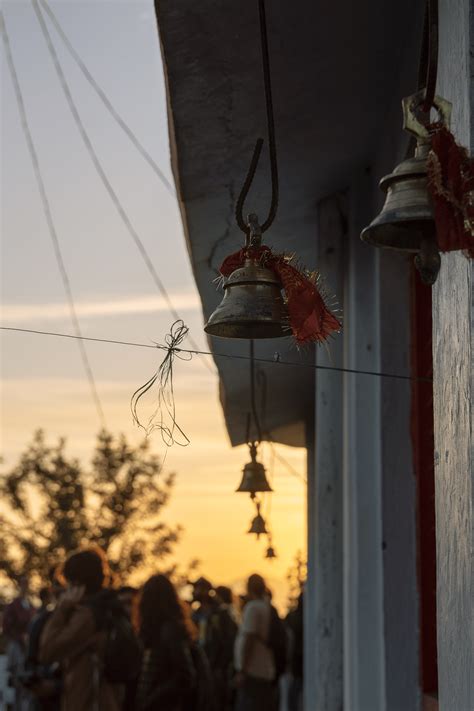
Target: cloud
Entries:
(26, 313)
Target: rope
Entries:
(276, 361)
(239, 208)
(50, 222)
(258, 146)
(102, 174)
(270, 119)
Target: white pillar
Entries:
(364, 682)
(453, 351)
(323, 604)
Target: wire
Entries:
(270, 120)
(49, 219)
(284, 461)
(102, 174)
(276, 361)
(431, 50)
(253, 403)
(105, 100)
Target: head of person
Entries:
(159, 604)
(127, 596)
(202, 591)
(224, 595)
(256, 587)
(88, 569)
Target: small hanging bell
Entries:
(258, 524)
(252, 306)
(254, 479)
(270, 552)
(406, 221)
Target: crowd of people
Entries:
(92, 647)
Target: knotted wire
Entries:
(165, 406)
(259, 144)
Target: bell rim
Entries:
(396, 231)
(283, 332)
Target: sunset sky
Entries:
(43, 379)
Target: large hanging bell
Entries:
(252, 306)
(406, 222)
(258, 524)
(254, 479)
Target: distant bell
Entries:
(252, 306)
(270, 553)
(258, 524)
(406, 221)
(254, 479)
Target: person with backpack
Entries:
(174, 672)
(90, 636)
(256, 650)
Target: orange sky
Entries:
(42, 378)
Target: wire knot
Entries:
(165, 406)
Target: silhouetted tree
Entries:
(296, 577)
(52, 505)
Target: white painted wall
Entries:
(453, 350)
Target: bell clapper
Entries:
(254, 236)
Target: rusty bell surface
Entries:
(406, 221)
(252, 306)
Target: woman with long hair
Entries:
(168, 676)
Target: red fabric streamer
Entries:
(310, 318)
(451, 186)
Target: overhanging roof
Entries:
(336, 68)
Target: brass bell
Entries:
(254, 479)
(252, 306)
(406, 222)
(258, 524)
(270, 552)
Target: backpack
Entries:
(278, 642)
(123, 654)
(203, 696)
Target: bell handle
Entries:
(254, 234)
(412, 123)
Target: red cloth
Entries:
(310, 318)
(451, 186)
